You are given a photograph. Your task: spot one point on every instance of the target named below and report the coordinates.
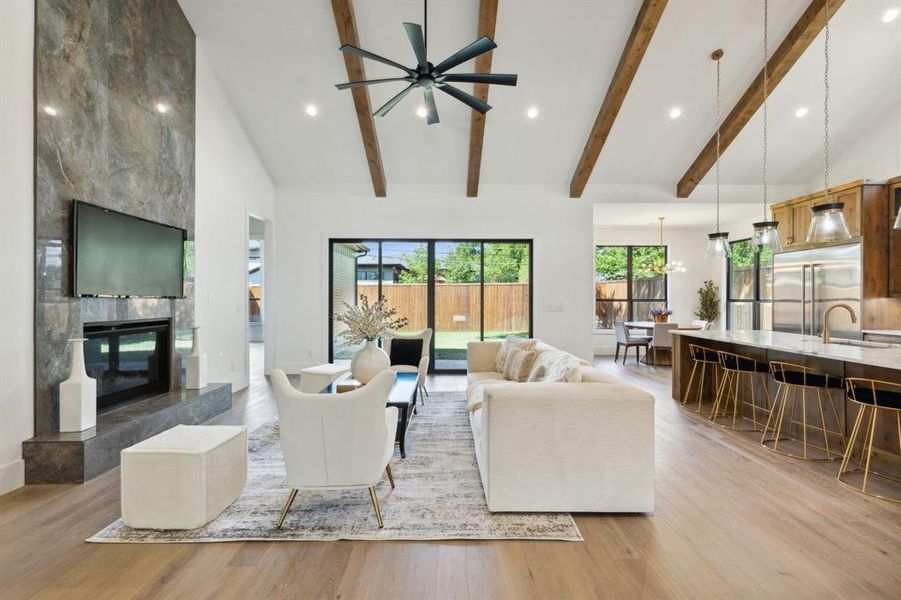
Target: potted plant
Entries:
(365, 324)
(661, 315)
(708, 302)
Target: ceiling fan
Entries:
(429, 77)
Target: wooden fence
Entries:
(457, 305)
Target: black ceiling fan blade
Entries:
(386, 108)
(355, 84)
(430, 106)
(479, 46)
(494, 78)
(414, 32)
(365, 54)
(462, 96)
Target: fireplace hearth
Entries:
(129, 359)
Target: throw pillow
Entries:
(509, 343)
(556, 366)
(519, 364)
(406, 351)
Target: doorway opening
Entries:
(256, 305)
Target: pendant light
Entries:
(766, 232)
(718, 241)
(674, 266)
(828, 222)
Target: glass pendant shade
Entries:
(828, 224)
(718, 245)
(766, 234)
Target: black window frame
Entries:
(630, 299)
(430, 284)
(757, 301)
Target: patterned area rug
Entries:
(439, 496)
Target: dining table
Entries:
(664, 355)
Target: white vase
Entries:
(369, 362)
(195, 369)
(77, 394)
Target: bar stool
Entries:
(792, 378)
(876, 396)
(734, 366)
(702, 356)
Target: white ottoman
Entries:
(184, 477)
(314, 379)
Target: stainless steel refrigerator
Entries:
(807, 282)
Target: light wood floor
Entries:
(732, 521)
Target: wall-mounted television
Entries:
(120, 255)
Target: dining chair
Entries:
(418, 365)
(336, 441)
(626, 338)
(662, 338)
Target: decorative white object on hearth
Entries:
(369, 362)
(195, 370)
(77, 394)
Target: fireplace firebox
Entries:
(129, 359)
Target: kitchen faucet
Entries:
(826, 318)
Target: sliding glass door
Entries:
(465, 290)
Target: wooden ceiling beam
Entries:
(347, 34)
(801, 36)
(487, 23)
(633, 53)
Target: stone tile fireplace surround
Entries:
(120, 78)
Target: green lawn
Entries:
(451, 345)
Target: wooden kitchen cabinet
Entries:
(794, 215)
(894, 201)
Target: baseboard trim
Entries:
(239, 382)
(12, 476)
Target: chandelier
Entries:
(665, 268)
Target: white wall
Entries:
(16, 238)
(231, 182)
(307, 218)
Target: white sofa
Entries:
(561, 447)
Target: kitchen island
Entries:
(877, 361)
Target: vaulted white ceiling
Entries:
(275, 57)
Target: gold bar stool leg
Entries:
(691, 379)
(823, 423)
(866, 472)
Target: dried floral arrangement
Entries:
(368, 322)
(657, 312)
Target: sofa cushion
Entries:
(555, 366)
(519, 364)
(595, 375)
(486, 376)
(509, 343)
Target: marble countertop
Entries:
(806, 345)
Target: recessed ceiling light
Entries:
(311, 110)
(891, 14)
(162, 108)
(801, 112)
(421, 112)
(532, 112)
(50, 111)
(675, 112)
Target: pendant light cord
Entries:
(766, 78)
(717, 173)
(826, 102)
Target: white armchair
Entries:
(333, 441)
(423, 368)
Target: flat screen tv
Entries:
(123, 256)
